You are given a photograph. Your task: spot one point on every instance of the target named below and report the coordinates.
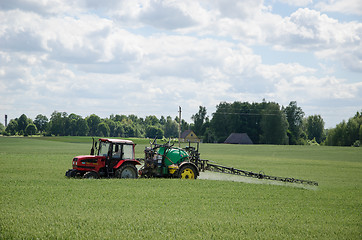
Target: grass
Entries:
(38, 202)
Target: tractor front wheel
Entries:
(127, 171)
(90, 175)
(71, 173)
(187, 172)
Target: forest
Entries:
(265, 123)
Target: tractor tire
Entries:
(71, 173)
(91, 175)
(187, 172)
(127, 171)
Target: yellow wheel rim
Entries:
(187, 173)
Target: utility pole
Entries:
(179, 126)
(6, 120)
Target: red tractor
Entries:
(108, 158)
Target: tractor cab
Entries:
(115, 151)
(108, 158)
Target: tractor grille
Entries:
(87, 167)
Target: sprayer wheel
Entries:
(187, 172)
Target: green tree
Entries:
(129, 130)
(345, 133)
(153, 132)
(73, 128)
(41, 122)
(220, 121)
(58, 124)
(119, 129)
(112, 126)
(93, 121)
(162, 120)
(274, 125)
(118, 118)
(352, 131)
(12, 127)
(315, 128)
(209, 135)
(22, 123)
(151, 120)
(134, 118)
(199, 119)
(103, 129)
(31, 129)
(294, 116)
(2, 127)
(170, 128)
(82, 127)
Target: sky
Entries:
(148, 57)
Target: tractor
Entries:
(108, 158)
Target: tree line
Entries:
(265, 123)
(346, 133)
(62, 124)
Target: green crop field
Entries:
(38, 202)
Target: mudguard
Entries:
(135, 162)
(192, 164)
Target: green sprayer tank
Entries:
(173, 155)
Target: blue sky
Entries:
(147, 57)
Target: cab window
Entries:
(103, 149)
(128, 152)
(117, 151)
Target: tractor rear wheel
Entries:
(127, 171)
(187, 172)
(90, 175)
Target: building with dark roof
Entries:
(239, 138)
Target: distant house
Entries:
(239, 138)
(189, 136)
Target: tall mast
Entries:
(179, 126)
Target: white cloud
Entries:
(315, 89)
(309, 30)
(341, 6)
(42, 7)
(299, 3)
(166, 15)
(239, 9)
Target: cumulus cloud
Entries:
(166, 15)
(309, 30)
(341, 6)
(319, 88)
(299, 3)
(46, 7)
